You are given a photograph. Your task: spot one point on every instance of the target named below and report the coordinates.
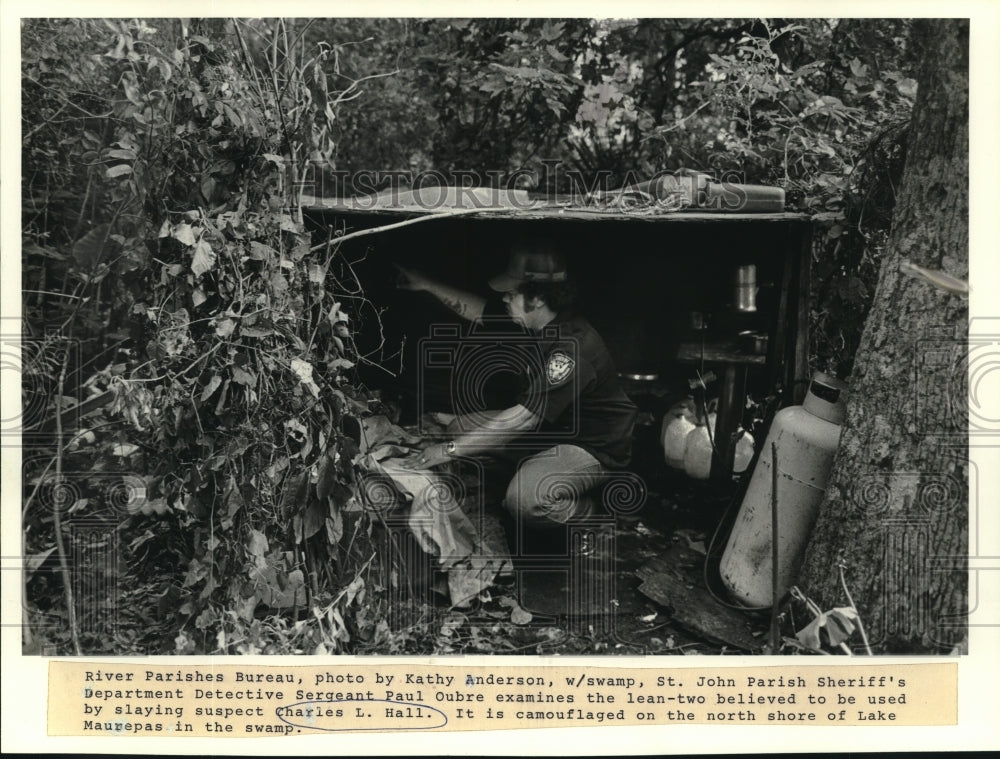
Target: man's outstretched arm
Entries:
(467, 305)
(490, 435)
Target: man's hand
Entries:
(410, 279)
(467, 305)
(432, 456)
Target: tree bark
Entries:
(896, 510)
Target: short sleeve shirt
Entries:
(570, 382)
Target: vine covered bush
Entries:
(157, 195)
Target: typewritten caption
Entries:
(124, 699)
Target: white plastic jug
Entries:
(677, 423)
(698, 451)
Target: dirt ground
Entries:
(597, 605)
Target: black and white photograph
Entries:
(506, 341)
(554, 336)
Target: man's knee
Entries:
(554, 486)
(547, 501)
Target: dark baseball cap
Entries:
(530, 264)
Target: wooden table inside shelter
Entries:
(728, 417)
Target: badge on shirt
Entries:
(560, 366)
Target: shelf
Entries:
(717, 353)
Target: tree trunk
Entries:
(896, 510)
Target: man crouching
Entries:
(571, 423)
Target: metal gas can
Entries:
(807, 437)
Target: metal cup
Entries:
(745, 295)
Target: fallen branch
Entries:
(57, 508)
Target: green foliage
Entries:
(466, 94)
(819, 107)
(201, 305)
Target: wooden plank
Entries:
(673, 583)
(544, 211)
(695, 610)
(557, 593)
